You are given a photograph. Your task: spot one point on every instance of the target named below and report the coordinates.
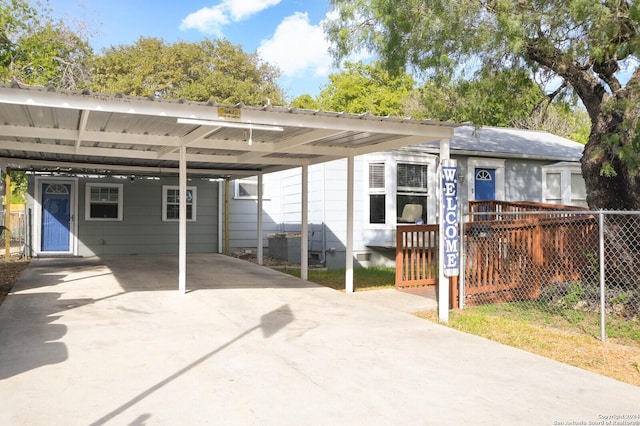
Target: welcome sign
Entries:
(450, 218)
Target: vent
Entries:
(363, 257)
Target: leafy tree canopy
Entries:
(361, 88)
(495, 99)
(210, 69)
(36, 50)
(587, 44)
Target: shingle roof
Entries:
(512, 143)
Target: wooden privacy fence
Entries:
(512, 259)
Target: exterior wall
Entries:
(374, 244)
(142, 229)
(327, 200)
(243, 224)
(523, 180)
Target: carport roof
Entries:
(43, 129)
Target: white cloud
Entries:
(210, 20)
(298, 47)
(241, 9)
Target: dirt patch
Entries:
(9, 273)
(270, 262)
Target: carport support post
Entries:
(443, 282)
(7, 214)
(259, 248)
(304, 233)
(182, 223)
(348, 279)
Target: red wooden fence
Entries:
(507, 256)
(512, 259)
(416, 255)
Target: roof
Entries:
(43, 129)
(511, 143)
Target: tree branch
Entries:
(584, 82)
(606, 70)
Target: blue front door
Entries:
(56, 217)
(485, 184)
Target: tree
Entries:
(360, 88)
(18, 187)
(493, 99)
(210, 69)
(587, 44)
(36, 50)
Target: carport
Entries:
(51, 131)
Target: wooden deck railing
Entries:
(494, 208)
(417, 260)
(508, 256)
(416, 255)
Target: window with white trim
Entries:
(411, 192)
(553, 193)
(247, 188)
(578, 190)
(377, 196)
(171, 203)
(563, 184)
(103, 201)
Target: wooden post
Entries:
(7, 212)
(454, 296)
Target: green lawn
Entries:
(363, 278)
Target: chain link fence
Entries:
(569, 268)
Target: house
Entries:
(124, 175)
(400, 186)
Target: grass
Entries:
(567, 319)
(374, 278)
(555, 337)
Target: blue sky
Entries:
(286, 33)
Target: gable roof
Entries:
(44, 129)
(511, 143)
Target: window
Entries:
(578, 190)
(377, 198)
(103, 201)
(171, 203)
(247, 188)
(554, 188)
(412, 177)
(562, 183)
(411, 194)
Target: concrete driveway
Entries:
(110, 341)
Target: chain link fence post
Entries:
(603, 332)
